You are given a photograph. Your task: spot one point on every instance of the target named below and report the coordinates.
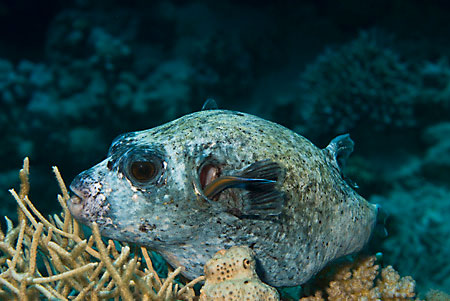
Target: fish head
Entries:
(149, 189)
(141, 193)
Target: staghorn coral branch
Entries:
(56, 261)
(78, 249)
(169, 280)
(63, 202)
(9, 226)
(58, 222)
(48, 237)
(190, 285)
(118, 262)
(113, 249)
(84, 291)
(33, 249)
(49, 292)
(23, 207)
(144, 287)
(96, 272)
(169, 292)
(24, 178)
(62, 187)
(67, 257)
(150, 265)
(9, 285)
(126, 276)
(125, 292)
(8, 249)
(62, 253)
(61, 267)
(66, 275)
(45, 221)
(76, 229)
(24, 185)
(19, 244)
(22, 291)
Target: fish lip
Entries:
(76, 202)
(75, 205)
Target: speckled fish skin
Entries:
(322, 219)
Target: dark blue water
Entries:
(75, 74)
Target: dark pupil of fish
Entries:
(143, 170)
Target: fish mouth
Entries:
(75, 205)
(87, 204)
(77, 201)
(81, 196)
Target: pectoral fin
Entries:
(261, 180)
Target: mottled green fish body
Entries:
(150, 191)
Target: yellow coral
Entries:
(392, 287)
(231, 275)
(52, 258)
(357, 282)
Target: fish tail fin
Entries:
(381, 220)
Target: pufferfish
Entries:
(215, 179)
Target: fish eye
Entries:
(143, 166)
(143, 171)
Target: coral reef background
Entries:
(75, 74)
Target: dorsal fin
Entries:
(210, 104)
(340, 149)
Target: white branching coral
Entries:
(52, 258)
